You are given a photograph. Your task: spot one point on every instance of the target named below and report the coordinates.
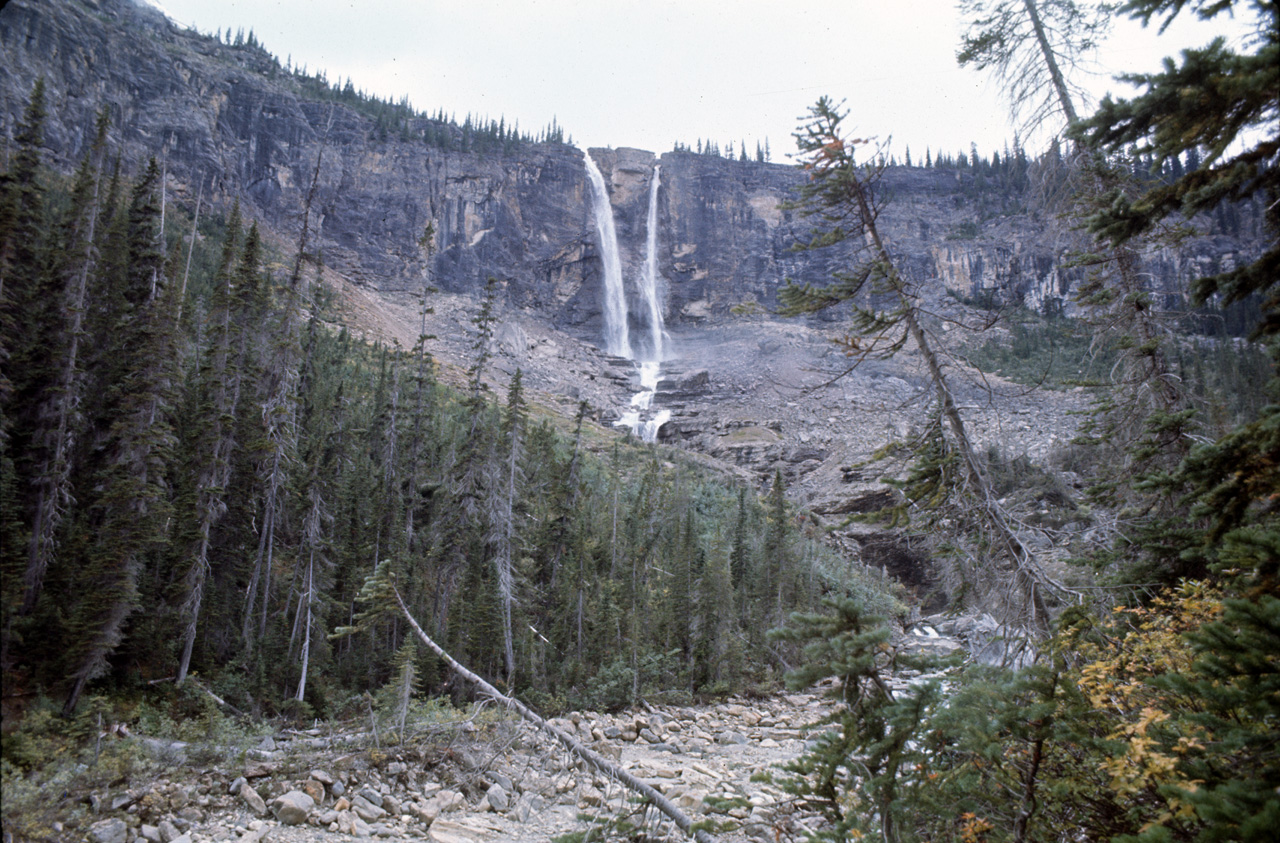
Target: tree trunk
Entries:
(594, 760)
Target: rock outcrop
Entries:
(232, 119)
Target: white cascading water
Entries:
(639, 418)
(645, 428)
(649, 280)
(616, 339)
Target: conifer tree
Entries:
(872, 743)
(278, 402)
(132, 510)
(887, 316)
(1211, 100)
(1142, 423)
(422, 388)
(776, 561)
(23, 285)
(219, 385)
(503, 504)
(58, 419)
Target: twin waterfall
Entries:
(648, 359)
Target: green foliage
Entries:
(1207, 101)
(854, 769)
(280, 459)
(1157, 723)
(1055, 353)
(1220, 104)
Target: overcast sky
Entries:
(649, 73)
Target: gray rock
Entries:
(366, 810)
(425, 812)
(293, 807)
(370, 795)
(252, 799)
(497, 797)
(150, 833)
(234, 787)
(111, 830)
(168, 831)
(337, 789)
(391, 805)
(323, 777)
(191, 814)
(349, 823)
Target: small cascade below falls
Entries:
(639, 418)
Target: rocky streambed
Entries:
(493, 777)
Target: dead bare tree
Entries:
(380, 595)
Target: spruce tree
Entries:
(218, 384)
(1210, 100)
(131, 506)
(853, 770)
(58, 421)
(25, 311)
(843, 195)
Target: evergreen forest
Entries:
(200, 470)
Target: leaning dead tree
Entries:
(841, 196)
(380, 596)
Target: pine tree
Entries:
(58, 419)
(132, 506)
(843, 195)
(503, 504)
(219, 383)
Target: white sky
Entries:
(649, 73)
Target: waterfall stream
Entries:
(640, 418)
(616, 339)
(650, 282)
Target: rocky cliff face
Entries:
(231, 119)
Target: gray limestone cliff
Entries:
(232, 119)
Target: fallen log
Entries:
(593, 759)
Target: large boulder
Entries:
(293, 807)
(111, 830)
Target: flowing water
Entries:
(616, 339)
(640, 418)
(650, 281)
